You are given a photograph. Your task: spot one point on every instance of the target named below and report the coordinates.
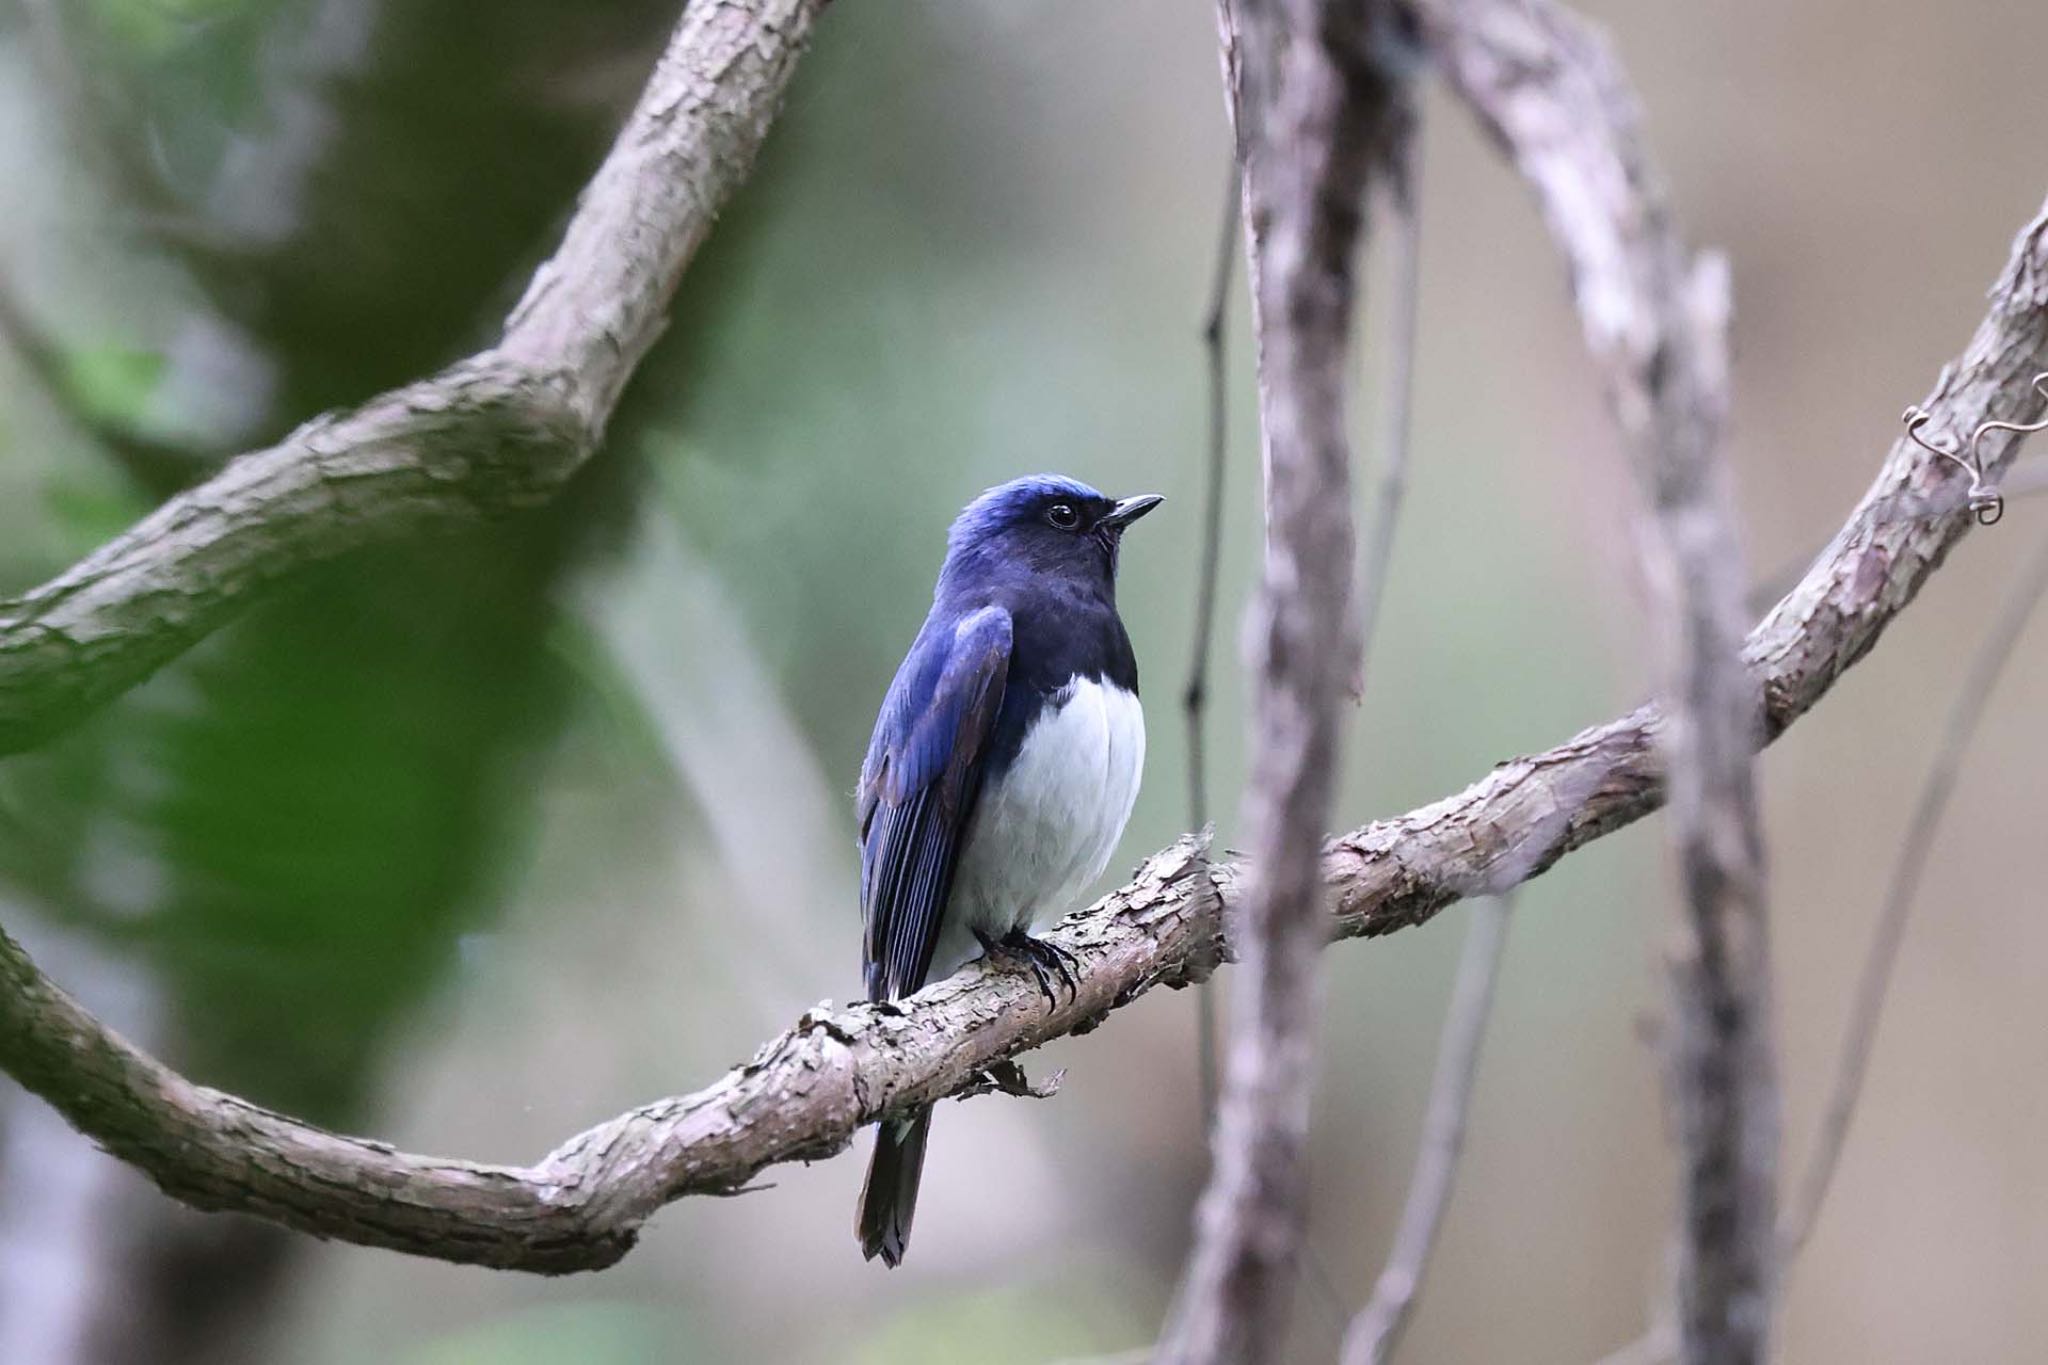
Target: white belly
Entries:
(1044, 831)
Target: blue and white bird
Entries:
(1002, 769)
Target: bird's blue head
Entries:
(1042, 524)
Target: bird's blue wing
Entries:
(918, 788)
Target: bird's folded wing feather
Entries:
(917, 790)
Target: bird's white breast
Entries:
(1046, 827)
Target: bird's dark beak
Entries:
(1130, 509)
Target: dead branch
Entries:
(1312, 108)
(1655, 320)
(805, 1093)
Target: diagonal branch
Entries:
(806, 1091)
(803, 1095)
(500, 430)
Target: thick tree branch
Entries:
(1313, 107)
(804, 1094)
(1655, 320)
(501, 430)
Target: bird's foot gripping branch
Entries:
(808, 1091)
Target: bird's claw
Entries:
(1047, 960)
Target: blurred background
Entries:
(471, 843)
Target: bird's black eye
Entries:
(1062, 516)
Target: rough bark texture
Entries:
(1311, 108)
(1655, 321)
(501, 430)
(804, 1094)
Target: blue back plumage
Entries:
(1024, 604)
(923, 771)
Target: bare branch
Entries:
(1194, 698)
(1377, 1329)
(2026, 479)
(1195, 695)
(804, 1094)
(1376, 550)
(1374, 1331)
(1860, 1034)
(806, 1091)
(500, 430)
(1311, 106)
(1655, 321)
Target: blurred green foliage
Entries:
(408, 850)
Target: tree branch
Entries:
(1859, 1033)
(1376, 1330)
(500, 430)
(804, 1094)
(807, 1090)
(1195, 696)
(1655, 321)
(1314, 108)
(1402, 194)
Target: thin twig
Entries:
(807, 1091)
(1195, 697)
(1377, 1329)
(1860, 1035)
(1376, 548)
(1402, 194)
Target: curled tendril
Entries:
(1986, 501)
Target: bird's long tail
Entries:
(889, 1199)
